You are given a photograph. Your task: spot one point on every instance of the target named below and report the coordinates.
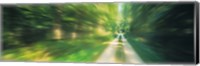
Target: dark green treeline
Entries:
(161, 32)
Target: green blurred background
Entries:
(79, 32)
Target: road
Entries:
(119, 51)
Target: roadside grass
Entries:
(77, 50)
(144, 51)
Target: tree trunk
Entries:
(57, 30)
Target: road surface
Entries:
(119, 51)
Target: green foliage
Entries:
(166, 29)
(80, 32)
(28, 32)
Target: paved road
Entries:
(119, 52)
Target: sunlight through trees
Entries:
(89, 32)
